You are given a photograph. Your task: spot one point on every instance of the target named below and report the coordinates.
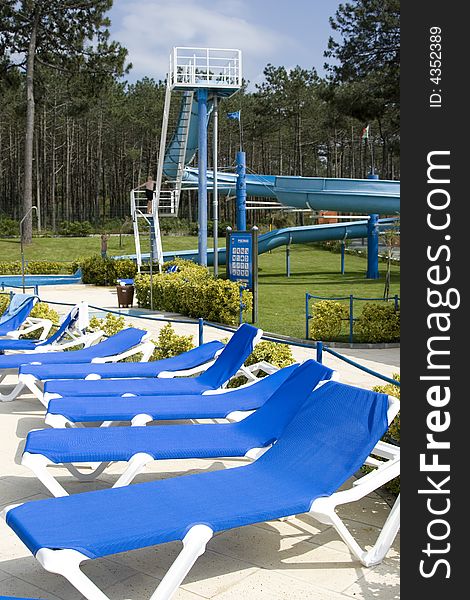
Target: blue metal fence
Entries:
(395, 299)
(320, 347)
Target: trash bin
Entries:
(125, 292)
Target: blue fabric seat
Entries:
(323, 445)
(232, 357)
(167, 408)
(16, 312)
(258, 430)
(116, 344)
(186, 360)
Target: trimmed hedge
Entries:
(193, 292)
(105, 271)
(327, 319)
(37, 267)
(378, 322)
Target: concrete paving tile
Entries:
(382, 581)
(372, 510)
(299, 526)
(276, 586)
(318, 565)
(212, 573)
(12, 586)
(366, 535)
(141, 587)
(102, 572)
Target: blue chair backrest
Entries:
(273, 416)
(17, 312)
(117, 343)
(232, 357)
(62, 329)
(328, 439)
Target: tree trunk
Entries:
(27, 229)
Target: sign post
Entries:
(242, 262)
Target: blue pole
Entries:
(288, 256)
(373, 247)
(241, 191)
(351, 318)
(202, 177)
(201, 331)
(240, 317)
(342, 257)
(320, 352)
(307, 318)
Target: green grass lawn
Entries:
(281, 299)
(68, 249)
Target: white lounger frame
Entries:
(248, 372)
(39, 463)
(67, 562)
(35, 386)
(30, 325)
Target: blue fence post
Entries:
(242, 306)
(373, 247)
(320, 352)
(288, 256)
(342, 257)
(351, 318)
(36, 290)
(395, 298)
(307, 318)
(201, 331)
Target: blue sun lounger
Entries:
(71, 332)
(325, 443)
(15, 321)
(125, 343)
(185, 364)
(232, 404)
(140, 445)
(228, 364)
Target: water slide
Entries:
(363, 196)
(294, 235)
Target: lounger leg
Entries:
(386, 537)
(58, 421)
(67, 564)
(324, 510)
(134, 467)
(194, 544)
(38, 465)
(13, 394)
(32, 384)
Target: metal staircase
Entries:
(151, 220)
(167, 193)
(217, 70)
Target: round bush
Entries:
(327, 319)
(378, 322)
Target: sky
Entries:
(280, 32)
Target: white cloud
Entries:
(150, 28)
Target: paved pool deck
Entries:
(298, 559)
